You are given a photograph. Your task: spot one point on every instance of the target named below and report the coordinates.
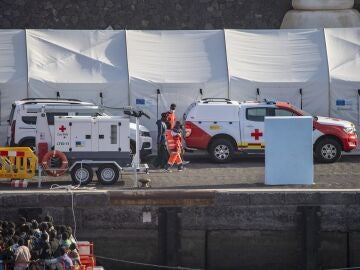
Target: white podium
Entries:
(289, 151)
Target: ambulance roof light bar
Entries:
(269, 102)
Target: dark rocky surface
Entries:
(143, 14)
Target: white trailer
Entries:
(100, 142)
(83, 143)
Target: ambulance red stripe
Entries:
(198, 137)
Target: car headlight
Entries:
(349, 129)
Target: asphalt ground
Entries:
(244, 172)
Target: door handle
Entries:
(249, 126)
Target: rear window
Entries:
(50, 117)
(29, 120)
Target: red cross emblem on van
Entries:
(62, 128)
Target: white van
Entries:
(22, 121)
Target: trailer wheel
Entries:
(107, 174)
(82, 174)
(327, 151)
(221, 150)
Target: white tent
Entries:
(343, 47)
(13, 74)
(78, 64)
(288, 65)
(183, 65)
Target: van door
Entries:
(81, 140)
(253, 127)
(109, 139)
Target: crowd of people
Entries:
(170, 141)
(34, 245)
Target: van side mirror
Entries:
(359, 92)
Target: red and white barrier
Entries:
(19, 183)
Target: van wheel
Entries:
(82, 174)
(107, 174)
(328, 151)
(28, 143)
(221, 150)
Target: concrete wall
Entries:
(212, 230)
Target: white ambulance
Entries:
(223, 126)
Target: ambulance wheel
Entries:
(107, 174)
(221, 150)
(82, 174)
(327, 151)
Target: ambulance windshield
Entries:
(302, 113)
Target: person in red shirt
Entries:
(171, 117)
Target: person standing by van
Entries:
(176, 151)
(171, 118)
(163, 153)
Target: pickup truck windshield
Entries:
(301, 112)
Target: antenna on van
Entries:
(201, 92)
(57, 94)
(101, 98)
(257, 93)
(301, 98)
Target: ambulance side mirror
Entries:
(359, 92)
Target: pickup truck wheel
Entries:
(107, 174)
(82, 174)
(327, 151)
(221, 150)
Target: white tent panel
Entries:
(13, 74)
(78, 64)
(343, 47)
(179, 64)
(288, 65)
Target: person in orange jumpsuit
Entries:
(171, 118)
(175, 148)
